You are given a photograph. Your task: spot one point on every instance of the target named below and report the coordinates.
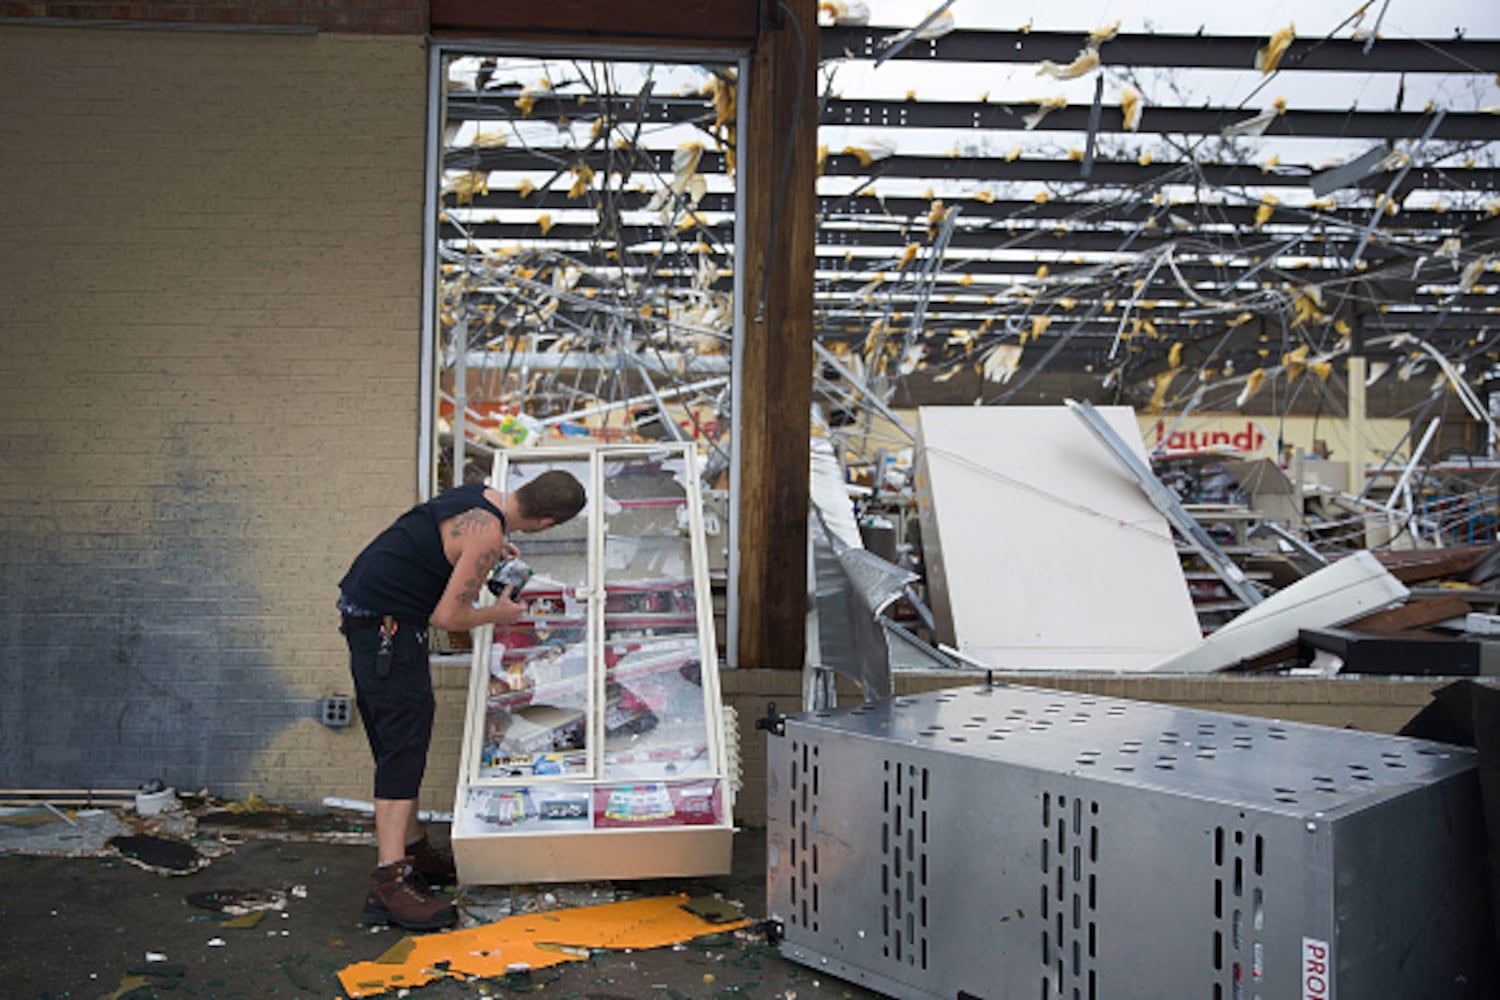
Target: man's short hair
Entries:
(555, 494)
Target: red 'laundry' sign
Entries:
(1247, 439)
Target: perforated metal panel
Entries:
(1001, 842)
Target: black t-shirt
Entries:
(404, 571)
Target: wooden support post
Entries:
(779, 173)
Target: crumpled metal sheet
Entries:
(878, 582)
(852, 587)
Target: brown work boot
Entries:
(399, 896)
(431, 862)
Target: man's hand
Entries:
(506, 611)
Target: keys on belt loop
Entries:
(388, 626)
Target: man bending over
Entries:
(427, 567)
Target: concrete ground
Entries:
(84, 928)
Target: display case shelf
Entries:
(594, 744)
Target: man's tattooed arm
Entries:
(487, 560)
(474, 517)
(475, 545)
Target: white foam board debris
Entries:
(1041, 552)
(1338, 593)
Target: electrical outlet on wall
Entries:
(334, 711)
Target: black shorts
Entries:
(397, 709)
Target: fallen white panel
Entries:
(1338, 593)
(1041, 552)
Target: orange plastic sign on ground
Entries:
(535, 941)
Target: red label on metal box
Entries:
(1317, 970)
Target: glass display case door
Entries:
(599, 711)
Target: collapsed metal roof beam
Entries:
(1077, 210)
(1083, 209)
(1166, 502)
(862, 391)
(839, 315)
(997, 116)
(607, 361)
(654, 397)
(991, 116)
(1203, 271)
(1394, 55)
(1132, 174)
(896, 46)
(1095, 109)
(998, 168)
(851, 324)
(1060, 343)
(1196, 270)
(1347, 174)
(1395, 182)
(995, 237)
(1092, 337)
(928, 277)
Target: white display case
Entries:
(594, 741)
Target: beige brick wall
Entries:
(210, 270)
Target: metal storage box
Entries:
(1012, 842)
